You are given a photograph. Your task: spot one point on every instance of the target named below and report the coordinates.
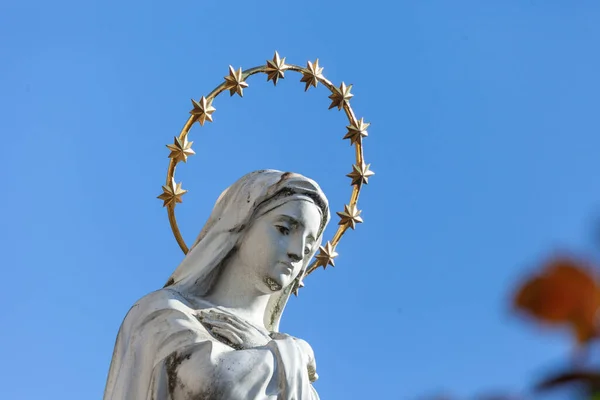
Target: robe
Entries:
(163, 352)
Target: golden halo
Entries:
(235, 82)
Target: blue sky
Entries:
(484, 140)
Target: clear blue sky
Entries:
(484, 139)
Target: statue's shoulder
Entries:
(282, 335)
(158, 301)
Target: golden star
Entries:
(203, 110)
(181, 149)
(356, 131)
(360, 174)
(350, 216)
(297, 287)
(276, 68)
(326, 255)
(312, 76)
(235, 82)
(172, 193)
(340, 96)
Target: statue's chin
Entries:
(273, 285)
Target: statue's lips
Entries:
(288, 267)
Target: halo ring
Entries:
(350, 216)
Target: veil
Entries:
(250, 197)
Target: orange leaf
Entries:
(565, 292)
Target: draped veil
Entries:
(251, 196)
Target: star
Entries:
(340, 96)
(181, 149)
(276, 68)
(350, 216)
(297, 287)
(356, 131)
(172, 193)
(326, 255)
(203, 110)
(235, 82)
(360, 174)
(312, 76)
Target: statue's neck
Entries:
(236, 293)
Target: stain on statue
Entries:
(212, 332)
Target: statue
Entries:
(212, 331)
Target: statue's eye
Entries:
(283, 229)
(307, 251)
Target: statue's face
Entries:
(277, 244)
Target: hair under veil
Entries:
(250, 197)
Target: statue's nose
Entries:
(294, 257)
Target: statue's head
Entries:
(275, 247)
(271, 223)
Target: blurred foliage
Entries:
(563, 292)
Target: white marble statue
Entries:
(212, 332)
